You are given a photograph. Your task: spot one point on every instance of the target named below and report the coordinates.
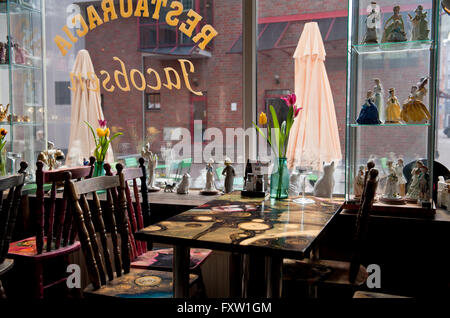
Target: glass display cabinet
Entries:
(22, 82)
(391, 99)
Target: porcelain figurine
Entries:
(2, 53)
(424, 182)
(3, 112)
(379, 98)
(414, 110)
(210, 187)
(372, 23)
(51, 157)
(401, 177)
(369, 112)
(393, 110)
(391, 189)
(19, 54)
(325, 185)
(414, 189)
(229, 174)
(152, 160)
(420, 31)
(358, 183)
(170, 187)
(394, 28)
(183, 187)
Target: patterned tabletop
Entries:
(233, 223)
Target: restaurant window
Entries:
(279, 29)
(62, 94)
(153, 101)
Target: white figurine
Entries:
(152, 160)
(414, 188)
(210, 187)
(325, 185)
(372, 23)
(401, 178)
(358, 184)
(183, 187)
(379, 98)
(391, 189)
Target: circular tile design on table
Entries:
(204, 218)
(148, 281)
(257, 221)
(233, 208)
(253, 226)
(152, 228)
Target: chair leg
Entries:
(2, 291)
(39, 281)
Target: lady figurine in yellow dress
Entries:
(414, 110)
(392, 108)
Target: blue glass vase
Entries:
(279, 180)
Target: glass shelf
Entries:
(394, 47)
(20, 67)
(31, 124)
(16, 7)
(391, 125)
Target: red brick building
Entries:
(144, 43)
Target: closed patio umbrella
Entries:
(86, 107)
(314, 137)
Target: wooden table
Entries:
(270, 228)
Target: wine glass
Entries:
(305, 172)
(13, 156)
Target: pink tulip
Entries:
(102, 123)
(290, 99)
(297, 111)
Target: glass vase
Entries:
(3, 162)
(99, 169)
(279, 180)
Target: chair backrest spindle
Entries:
(115, 211)
(9, 207)
(362, 221)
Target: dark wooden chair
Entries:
(144, 256)
(331, 272)
(120, 279)
(8, 213)
(55, 235)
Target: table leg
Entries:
(274, 274)
(181, 260)
(236, 275)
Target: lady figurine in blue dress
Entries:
(369, 112)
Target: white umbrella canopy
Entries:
(314, 137)
(86, 107)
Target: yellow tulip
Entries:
(107, 132)
(100, 132)
(262, 118)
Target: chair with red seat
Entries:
(111, 274)
(8, 212)
(143, 256)
(55, 235)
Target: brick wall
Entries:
(221, 77)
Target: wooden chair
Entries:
(120, 280)
(144, 256)
(330, 272)
(55, 236)
(8, 213)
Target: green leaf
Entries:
(93, 133)
(264, 136)
(116, 135)
(276, 126)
